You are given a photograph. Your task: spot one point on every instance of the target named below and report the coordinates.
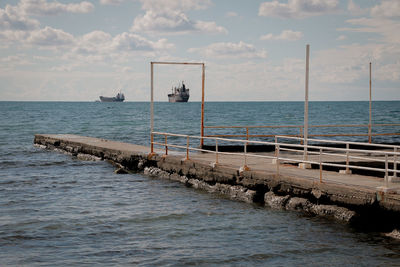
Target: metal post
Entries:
(347, 157)
(370, 105)
(395, 163)
(247, 133)
(166, 145)
(216, 151)
(202, 105)
(277, 160)
(305, 156)
(320, 165)
(245, 155)
(151, 109)
(187, 147)
(386, 169)
(301, 135)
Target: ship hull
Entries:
(177, 98)
(110, 99)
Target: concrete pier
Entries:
(347, 197)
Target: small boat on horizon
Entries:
(179, 94)
(118, 98)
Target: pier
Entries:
(268, 180)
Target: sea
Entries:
(56, 210)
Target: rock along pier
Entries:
(349, 198)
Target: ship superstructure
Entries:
(179, 94)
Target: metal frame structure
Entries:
(305, 156)
(152, 97)
(248, 134)
(316, 150)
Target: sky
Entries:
(253, 50)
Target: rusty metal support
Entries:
(305, 156)
(277, 159)
(395, 163)
(152, 96)
(151, 109)
(320, 165)
(245, 167)
(301, 135)
(347, 158)
(166, 145)
(202, 105)
(370, 105)
(216, 151)
(386, 170)
(187, 147)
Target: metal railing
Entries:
(389, 157)
(300, 130)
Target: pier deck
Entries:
(339, 189)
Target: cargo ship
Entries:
(179, 94)
(118, 98)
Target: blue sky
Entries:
(253, 50)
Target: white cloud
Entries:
(50, 37)
(341, 38)
(9, 36)
(169, 17)
(181, 5)
(231, 14)
(11, 18)
(230, 50)
(111, 2)
(388, 72)
(286, 35)
(297, 8)
(355, 9)
(387, 8)
(133, 42)
(388, 30)
(209, 27)
(43, 8)
(350, 63)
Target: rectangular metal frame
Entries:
(152, 97)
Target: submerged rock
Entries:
(121, 171)
(394, 234)
(87, 157)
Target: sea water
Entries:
(57, 210)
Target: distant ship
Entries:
(179, 94)
(118, 98)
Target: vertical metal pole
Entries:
(202, 106)
(245, 154)
(320, 165)
(370, 105)
(247, 133)
(151, 109)
(277, 160)
(386, 170)
(395, 163)
(187, 147)
(305, 156)
(301, 135)
(347, 158)
(216, 151)
(166, 145)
